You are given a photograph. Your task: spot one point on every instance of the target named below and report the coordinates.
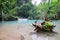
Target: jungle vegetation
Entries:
(14, 9)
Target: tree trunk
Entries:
(2, 17)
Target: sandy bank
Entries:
(15, 32)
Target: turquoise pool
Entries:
(57, 23)
(26, 22)
(20, 22)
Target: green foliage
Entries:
(53, 9)
(7, 8)
(25, 10)
(44, 9)
(13, 9)
(50, 9)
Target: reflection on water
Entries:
(45, 36)
(34, 37)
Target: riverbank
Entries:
(15, 32)
(24, 32)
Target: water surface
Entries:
(35, 36)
